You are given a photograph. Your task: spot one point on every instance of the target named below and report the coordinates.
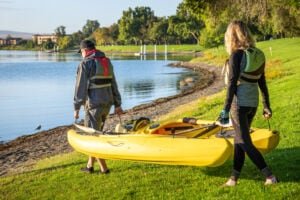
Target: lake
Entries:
(36, 88)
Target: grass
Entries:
(59, 178)
(151, 48)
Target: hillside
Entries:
(4, 34)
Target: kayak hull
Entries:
(158, 149)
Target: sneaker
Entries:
(88, 170)
(106, 172)
(229, 183)
(271, 181)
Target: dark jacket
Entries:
(94, 97)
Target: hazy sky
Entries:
(44, 16)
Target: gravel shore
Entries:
(21, 154)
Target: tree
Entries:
(285, 17)
(48, 44)
(60, 31)
(135, 25)
(64, 42)
(90, 27)
(190, 26)
(174, 28)
(114, 32)
(125, 26)
(158, 32)
(264, 17)
(77, 37)
(102, 36)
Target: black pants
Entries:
(241, 119)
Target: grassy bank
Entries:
(152, 48)
(59, 178)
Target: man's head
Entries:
(86, 45)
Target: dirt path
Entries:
(22, 153)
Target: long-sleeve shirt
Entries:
(247, 93)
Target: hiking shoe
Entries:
(271, 181)
(88, 170)
(106, 172)
(229, 183)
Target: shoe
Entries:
(229, 183)
(271, 181)
(106, 172)
(88, 170)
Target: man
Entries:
(96, 88)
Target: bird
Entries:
(38, 127)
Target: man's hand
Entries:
(76, 114)
(119, 110)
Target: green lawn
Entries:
(59, 177)
(151, 48)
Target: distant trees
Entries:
(278, 18)
(200, 22)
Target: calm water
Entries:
(36, 88)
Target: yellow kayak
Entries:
(160, 149)
(203, 143)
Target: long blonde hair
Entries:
(238, 36)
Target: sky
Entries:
(43, 17)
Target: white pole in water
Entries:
(144, 52)
(166, 51)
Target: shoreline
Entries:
(20, 155)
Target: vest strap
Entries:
(95, 86)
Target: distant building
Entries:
(10, 41)
(39, 39)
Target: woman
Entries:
(245, 76)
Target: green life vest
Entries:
(254, 59)
(252, 65)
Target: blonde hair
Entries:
(238, 36)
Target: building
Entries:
(39, 39)
(10, 41)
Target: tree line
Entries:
(200, 22)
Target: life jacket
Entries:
(103, 76)
(252, 65)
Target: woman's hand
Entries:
(267, 113)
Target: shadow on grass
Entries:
(284, 163)
(56, 167)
